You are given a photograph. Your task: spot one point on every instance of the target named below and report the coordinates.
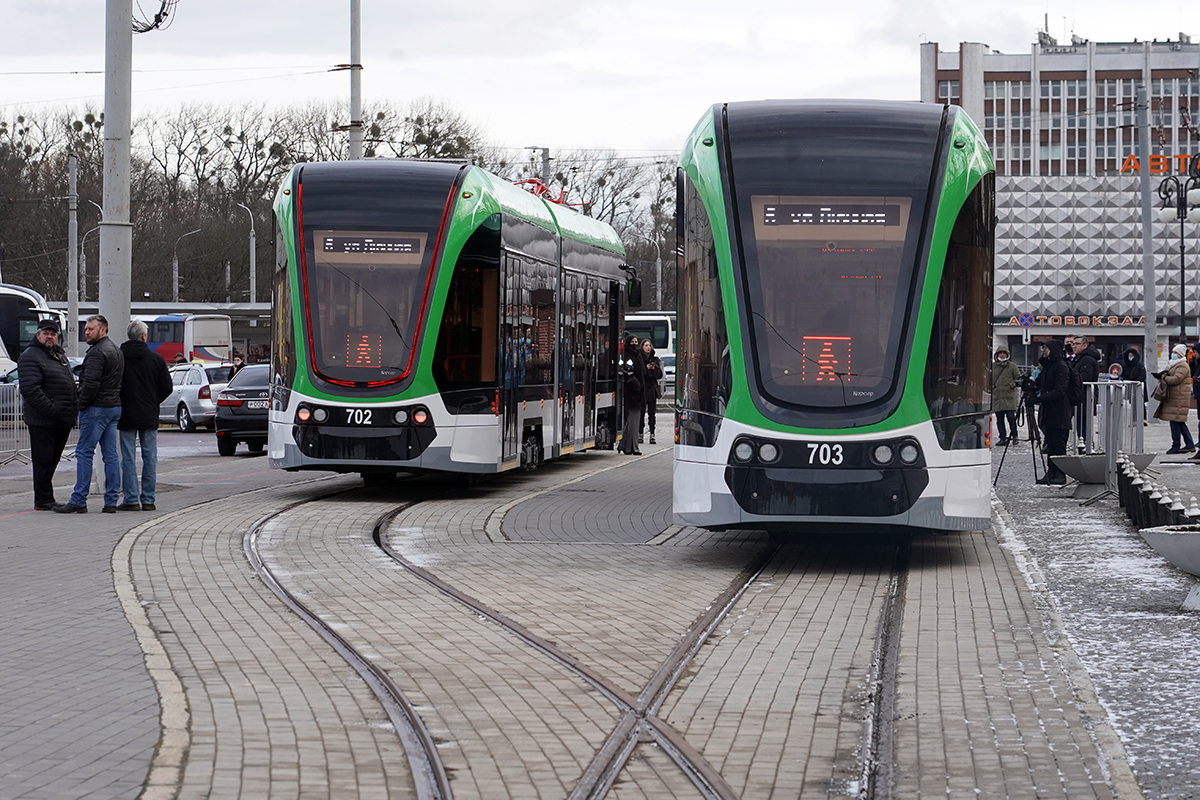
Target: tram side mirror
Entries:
(633, 292)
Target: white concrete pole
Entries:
(70, 333)
(253, 270)
(116, 233)
(356, 126)
(1149, 288)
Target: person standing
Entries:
(1056, 410)
(1005, 379)
(146, 383)
(633, 373)
(99, 410)
(1178, 378)
(653, 390)
(49, 406)
(1087, 364)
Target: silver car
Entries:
(193, 401)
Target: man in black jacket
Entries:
(1087, 364)
(1056, 411)
(99, 409)
(146, 384)
(48, 406)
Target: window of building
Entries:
(949, 92)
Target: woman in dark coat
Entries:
(633, 375)
(654, 374)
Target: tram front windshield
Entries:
(369, 231)
(831, 201)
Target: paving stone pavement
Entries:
(987, 704)
(79, 715)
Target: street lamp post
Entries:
(175, 267)
(1178, 196)
(657, 272)
(83, 265)
(253, 272)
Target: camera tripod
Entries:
(1027, 416)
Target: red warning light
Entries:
(825, 359)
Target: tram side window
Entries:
(283, 351)
(539, 345)
(467, 346)
(958, 367)
(703, 374)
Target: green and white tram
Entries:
(834, 322)
(430, 316)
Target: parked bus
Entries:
(20, 310)
(658, 327)
(199, 337)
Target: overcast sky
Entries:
(631, 76)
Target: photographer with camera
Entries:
(1055, 419)
(633, 377)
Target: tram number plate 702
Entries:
(358, 416)
(825, 454)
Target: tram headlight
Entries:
(882, 454)
(743, 451)
(909, 453)
(320, 415)
(768, 453)
(400, 417)
(420, 416)
(303, 413)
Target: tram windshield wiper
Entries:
(840, 375)
(367, 292)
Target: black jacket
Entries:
(1087, 364)
(147, 382)
(101, 376)
(654, 374)
(47, 387)
(633, 371)
(1056, 379)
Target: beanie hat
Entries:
(1179, 350)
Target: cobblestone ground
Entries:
(1119, 601)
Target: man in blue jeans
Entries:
(99, 410)
(146, 384)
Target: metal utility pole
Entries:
(175, 267)
(116, 232)
(1149, 298)
(356, 126)
(70, 334)
(545, 163)
(253, 269)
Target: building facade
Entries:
(1062, 124)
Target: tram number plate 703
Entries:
(358, 416)
(825, 454)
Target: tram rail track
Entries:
(639, 721)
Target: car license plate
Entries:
(257, 403)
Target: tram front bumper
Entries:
(767, 491)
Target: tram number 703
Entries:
(358, 416)
(824, 454)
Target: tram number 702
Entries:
(824, 454)
(358, 416)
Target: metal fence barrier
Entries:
(1113, 415)
(14, 435)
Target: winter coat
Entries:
(1178, 378)
(633, 372)
(101, 376)
(146, 383)
(47, 387)
(1056, 379)
(1005, 380)
(1087, 364)
(1132, 369)
(654, 373)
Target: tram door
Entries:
(566, 378)
(589, 360)
(511, 358)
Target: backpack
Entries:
(1075, 390)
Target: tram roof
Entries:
(559, 219)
